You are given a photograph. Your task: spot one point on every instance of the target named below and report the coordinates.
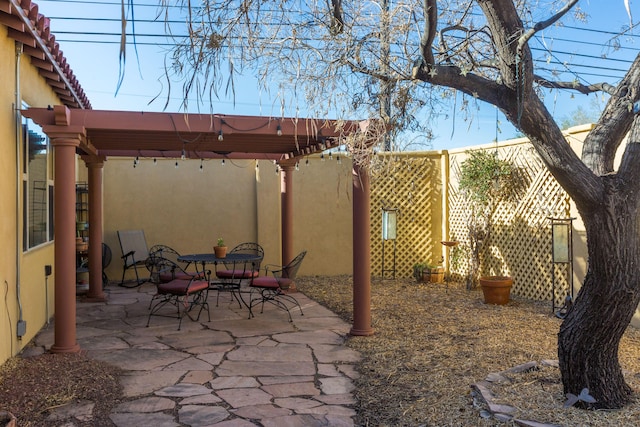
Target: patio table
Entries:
(241, 262)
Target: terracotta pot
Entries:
(496, 289)
(220, 251)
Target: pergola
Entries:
(97, 135)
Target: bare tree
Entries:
(339, 56)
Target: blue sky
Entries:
(96, 66)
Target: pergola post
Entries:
(361, 253)
(96, 166)
(65, 246)
(286, 202)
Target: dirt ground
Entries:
(431, 343)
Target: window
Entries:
(37, 188)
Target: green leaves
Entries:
(484, 177)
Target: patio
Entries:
(233, 370)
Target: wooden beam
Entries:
(25, 38)
(42, 64)
(56, 83)
(12, 21)
(49, 75)
(34, 52)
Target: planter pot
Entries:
(436, 274)
(496, 289)
(220, 251)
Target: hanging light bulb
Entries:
(184, 155)
(279, 130)
(201, 166)
(220, 136)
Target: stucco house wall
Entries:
(28, 288)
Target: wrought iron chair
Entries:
(178, 288)
(274, 286)
(106, 260)
(231, 277)
(134, 254)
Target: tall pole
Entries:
(361, 253)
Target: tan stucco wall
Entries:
(35, 92)
(188, 210)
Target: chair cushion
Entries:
(236, 274)
(271, 282)
(167, 276)
(179, 287)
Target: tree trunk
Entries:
(590, 335)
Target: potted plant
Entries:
(428, 273)
(220, 249)
(485, 182)
(418, 271)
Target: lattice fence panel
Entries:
(413, 185)
(520, 242)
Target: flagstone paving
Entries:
(231, 371)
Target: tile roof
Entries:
(25, 24)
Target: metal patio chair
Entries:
(178, 288)
(106, 260)
(231, 276)
(274, 286)
(134, 254)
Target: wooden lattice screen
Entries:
(521, 239)
(520, 243)
(413, 185)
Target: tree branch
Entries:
(429, 33)
(601, 144)
(544, 24)
(630, 166)
(575, 85)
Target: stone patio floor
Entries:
(231, 371)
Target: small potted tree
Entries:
(485, 181)
(220, 249)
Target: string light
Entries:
(220, 136)
(279, 130)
